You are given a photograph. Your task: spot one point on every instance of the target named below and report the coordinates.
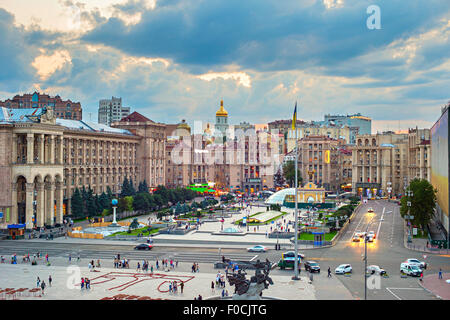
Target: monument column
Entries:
(59, 202)
(50, 205)
(52, 149)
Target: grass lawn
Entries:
(135, 232)
(263, 223)
(310, 236)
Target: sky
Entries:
(176, 59)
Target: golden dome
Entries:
(221, 112)
(184, 125)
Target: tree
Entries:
(143, 187)
(125, 204)
(131, 189)
(91, 208)
(76, 204)
(104, 201)
(125, 188)
(140, 202)
(423, 202)
(289, 173)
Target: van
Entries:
(410, 270)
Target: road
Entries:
(387, 251)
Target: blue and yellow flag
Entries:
(294, 118)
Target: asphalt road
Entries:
(387, 251)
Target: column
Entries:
(30, 148)
(40, 205)
(14, 215)
(59, 202)
(15, 140)
(41, 148)
(50, 203)
(29, 206)
(52, 149)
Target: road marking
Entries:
(389, 289)
(393, 294)
(253, 258)
(381, 220)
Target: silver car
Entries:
(373, 269)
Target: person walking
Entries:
(182, 286)
(440, 273)
(212, 286)
(42, 287)
(49, 280)
(82, 283)
(70, 258)
(38, 282)
(329, 272)
(421, 276)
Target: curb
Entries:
(429, 291)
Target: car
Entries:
(257, 249)
(356, 238)
(143, 246)
(370, 210)
(312, 266)
(291, 254)
(369, 238)
(417, 263)
(373, 269)
(343, 268)
(372, 233)
(410, 270)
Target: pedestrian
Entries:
(78, 258)
(98, 263)
(157, 265)
(38, 282)
(329, 272)
(199, 297)
(151, 269)
(182, 286)
(223, 293)
(43, 286)
(49, 280)
(212, 286)
(440, 273)
(421, 276)
(311, 278)
(170, 287)
(176, 263)
(82, 283)
(70, 258)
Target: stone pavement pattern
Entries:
(439, 287)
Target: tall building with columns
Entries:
(43, 159)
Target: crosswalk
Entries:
(183, 256)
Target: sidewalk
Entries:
(439, 287)
(420, 244)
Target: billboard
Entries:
(439, 164)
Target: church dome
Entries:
(221, 112)
(183, 126)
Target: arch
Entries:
(374, 142)
(58, 178)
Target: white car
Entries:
(257, 249)
(417, 263)
(371, 233)
(343, 268)
(370, 210)
(410, 270)
(375, 269)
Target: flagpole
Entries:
(295, 277)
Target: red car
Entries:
(143, 246)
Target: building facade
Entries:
(336, 132)
(63, 109)
(419, 154)
(44, 159)
(380, 164)
(111, 110)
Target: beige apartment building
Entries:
(305, 130)
(419, 154)
(380, 164)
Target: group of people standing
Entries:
(85, 283)
(173, 286)
(195, 267)
(42, 285)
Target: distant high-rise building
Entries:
(111, 110)
(63, 109)
(357, 123)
